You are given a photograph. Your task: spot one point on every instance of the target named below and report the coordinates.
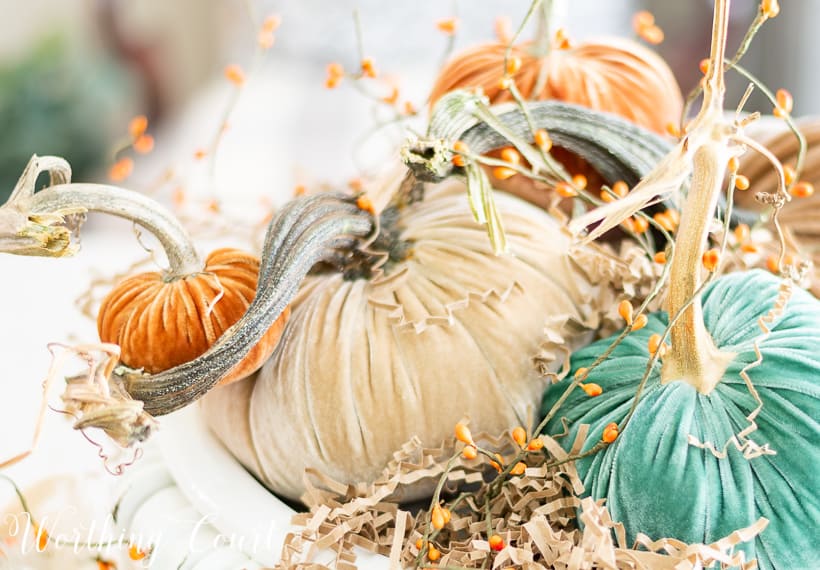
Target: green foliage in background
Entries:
(54, 102)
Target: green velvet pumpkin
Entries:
(656, 483)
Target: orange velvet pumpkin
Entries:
(612, 75)
(160, 324)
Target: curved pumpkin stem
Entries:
(39, 223)
(304, 233)
(693, 357)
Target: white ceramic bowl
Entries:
(229, 516)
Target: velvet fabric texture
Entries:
(614, 75)
(451, 332)
(160, 324)
(657, 483)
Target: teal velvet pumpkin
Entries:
(656, 483)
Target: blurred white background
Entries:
(166, 60)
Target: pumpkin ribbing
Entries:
(612, 75)
(161, 323)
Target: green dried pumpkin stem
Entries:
(34, 223)
(305, 232)
(693, 357)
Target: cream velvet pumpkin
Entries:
(450, 332)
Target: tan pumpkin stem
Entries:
(693, 357)
(34, 223)
(303, 233)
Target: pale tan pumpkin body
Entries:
(160, 324)
(451, 332)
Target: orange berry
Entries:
(299, 190)
(355, 184)
(543, 140)
(42, 537)
(733, 165)
(592, 389)
(513, 65)
(673, 215)
(105, 565)
(502, 172)
(711, 258)
(271, 23)
(463, 434)
(135, 553)
(565, 190)
(579, 181)
(331, 82)
(660, 257)
(789, 174)
(469, 452)
(200, 153)
(137, 126)
(366, 204)
(503, 29)
(664, 221)
(742, 233)
(458, 159)
(419, 543)
(393, 97)
(447, 25)
(784, 100)
(121, 169)
(639, 224)
(535, 444)
(672, 129)
(144, 144)
(213, 206)
(741, 182)
(748, 247)
(625, 310)
(265, 39)
(504, 83)
(509, 154)
(178, 196)
(368, 67)
(433, 554)
(772, 265)
(770, 8)
(519, 436)
(496, 543)
(497, 464)
(654, 343)
(234, 74)
(335, 69)
(437, 518)
(409, 108)
(620, 189)
(519, 468)
(607, 196)
(652, 35)
(639, 322)
(561, 40)
(802, 189)
(642, 19)
(581, 373)
(704, 65)
(447, 515)
(610, 433)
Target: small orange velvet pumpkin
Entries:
(160, 323)
(613, 75)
